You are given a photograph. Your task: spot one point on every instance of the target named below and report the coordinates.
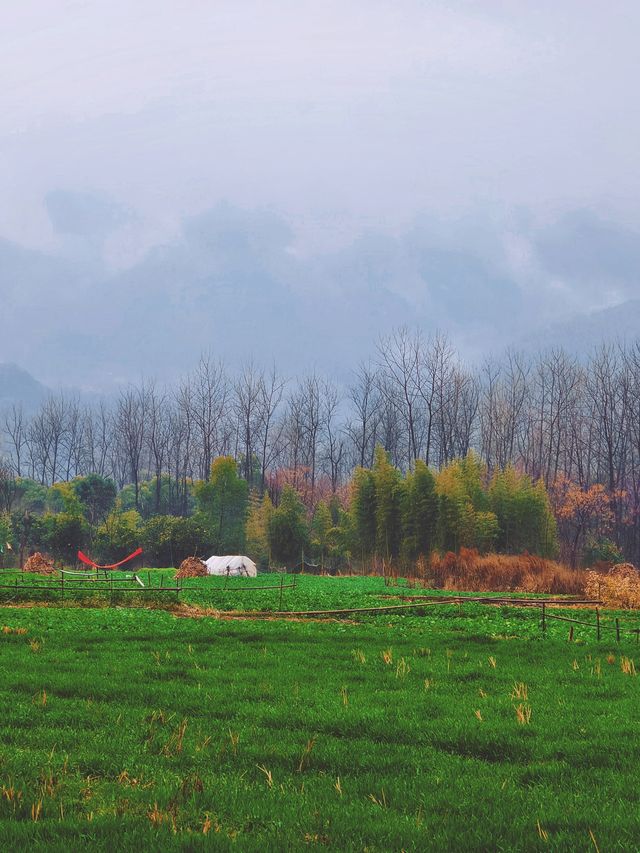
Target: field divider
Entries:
(575, 621)
(345, 611)
(76, 588)
(496, 599)
(276, 587)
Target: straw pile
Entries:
(192, 567)
(620, 587)
(38, 564)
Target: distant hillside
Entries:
(583, 332)
(19, 386)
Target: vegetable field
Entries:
(457, 729)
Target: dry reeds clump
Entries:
(619, 587)
(39, 564)
(192, 567)
(468, 570)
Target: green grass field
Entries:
(461, 729)
(309, 593)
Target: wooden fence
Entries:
(70, 583)
(105, 582)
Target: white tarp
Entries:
(233, 566)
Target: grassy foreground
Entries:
(128, 728)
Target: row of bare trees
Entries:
(149, 431)
(553, 416)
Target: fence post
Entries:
(544, 620)
(280, 601)
(61, 584)
(617, 630)
(598, 623)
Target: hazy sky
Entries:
(483, 121)
(335, 113)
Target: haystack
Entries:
(192, 567)
(38, 564)
(620, 587)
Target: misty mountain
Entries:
(585, 332)
(234, 282)
(17, 386)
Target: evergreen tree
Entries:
(257, 534)
(388, 499)
(419, 512)
(118, 535)
(525, 519)
(485, 531)
(97, 495)
(545, 541)
(455, 515)
(363, 512)
(63, 534)
(222, 503)
(342, 537)
(473, 472)
(168, 539)
(288, 529)
(321, 529)
(463, 505)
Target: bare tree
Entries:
(207, 398)
(247, 395)
(399, 357)
(99, 434)
(131, 412)
(362, 425)
(334, 444)
(73, 440)
(157, 433)
(46, 439)
(8, 486)
(17, 430)
(272, 389)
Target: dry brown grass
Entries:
(470, 571)
(619, 587)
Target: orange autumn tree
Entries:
(580, 512)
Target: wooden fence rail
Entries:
(75, 583)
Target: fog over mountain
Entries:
(290, 182)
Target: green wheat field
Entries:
(459, 728)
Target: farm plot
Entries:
(126, 728)
(355, 598)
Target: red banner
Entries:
(89, 562)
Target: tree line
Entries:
(382, 518)
(572, 425)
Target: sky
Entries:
(435, 159)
